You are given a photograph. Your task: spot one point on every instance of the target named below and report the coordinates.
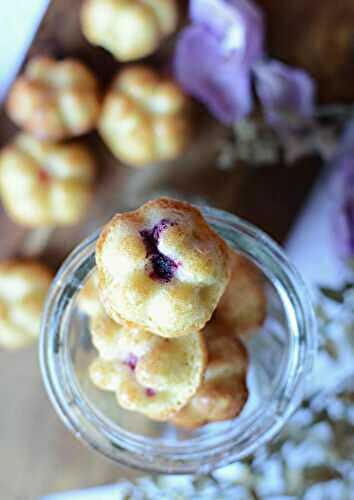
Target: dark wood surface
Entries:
(318, 36)
(37, 454)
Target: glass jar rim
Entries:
(217, 449)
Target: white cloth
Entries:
(19, 22)
(311, 245)
(108, 492)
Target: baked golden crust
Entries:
(161, 268)
(149, 374)
(54, 100)
(243, 306)
(23, 288)
(145, 118)
(129, 29)
(43, 184)
(88, 300)
(223, 392)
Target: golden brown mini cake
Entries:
(149, 374)
(145, 118)
(88, 299)
(243, 307)
(55, 100)
(43, 184)
(23, 288)
(129, 29)
(223, 393)
(161, 268)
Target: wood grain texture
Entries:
(37, 454)
(317, 35)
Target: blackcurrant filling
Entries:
(43, 176)
(161, 268)
(131, 361)
(150, 392)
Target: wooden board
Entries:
(37, 454)
(318, 36)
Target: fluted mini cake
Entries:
(129, 29)
(88, 300)
(149, 374)
(23, 288)
(161, 268)
(54, 100)
(223, 392)
(243, 307)
(43, 184)
(145, 118)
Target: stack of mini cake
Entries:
(168, 304)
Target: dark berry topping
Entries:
(151, 236)
(43, 176)
(161, 268)
(131, 361)
(150, 392)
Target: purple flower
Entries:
(237, 24)
(217, 56)
(343, 219)
(214, 56)
(348, 219)
(286, 94)
(222, 83)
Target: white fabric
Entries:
(311, 246)
(109, 492)
(19, 22)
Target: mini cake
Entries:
(145, 118)
(23, 288)
(243, 307)
(43, 184)
(54, 100)
(223, 393)
(161, 268)
(129, 29)
(88, 299)
(149, 374)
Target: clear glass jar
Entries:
(281, 358)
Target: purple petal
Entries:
(348, 216)
(346, 146)
(238, 25)
(221, 82)
(287, 94)
(343, 199)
